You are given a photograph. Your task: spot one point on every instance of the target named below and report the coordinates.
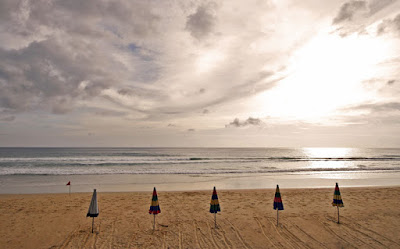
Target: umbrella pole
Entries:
(277, 217)
(69, 189)
(215, 219)
(92, 224)
(338, 214)
(154, 222)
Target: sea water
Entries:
(37, 170)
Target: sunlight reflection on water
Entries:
(329, 153)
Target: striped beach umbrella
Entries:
(337, 200)
(278, 205)
(154, 207)
(93, 208)
(214, 205)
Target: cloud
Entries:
(50, 60)
(356, 16)
(109, 113)
(46, 74)
(248, 122)
(377, 107)
(390, 26)
(377, 5)
(56, 56)
(391, 82)
(358, 9)
(373, 117)
(201, 23)
(7, 119)
(61, 105)
(53, 57)
(384, 113)
(348, 10)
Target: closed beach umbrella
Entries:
(214, 205)
(69, 184)
(337, 200)
(93, 208)
(154, 207)
(278, 205)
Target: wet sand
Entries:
(370, 219)
(49, 184)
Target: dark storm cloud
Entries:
(202, 22)
(250, 121)
(348, 10)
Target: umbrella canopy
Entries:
(278, 200)
(337, 198)
(214, 204)
(154, 207)
(93, 208)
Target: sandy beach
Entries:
(370, 219)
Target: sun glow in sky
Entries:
(200, 73)
(320, 81)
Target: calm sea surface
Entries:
(20, 166)
(101, 161)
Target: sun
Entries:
(325, 75)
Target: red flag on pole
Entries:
(69, 183)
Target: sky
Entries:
(256, 73)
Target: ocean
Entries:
(28, 170)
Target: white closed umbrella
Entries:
(93, 208)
